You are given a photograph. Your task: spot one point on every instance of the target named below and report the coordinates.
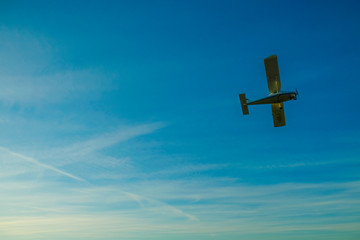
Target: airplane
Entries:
(276, 97)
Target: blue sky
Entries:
(121, 120)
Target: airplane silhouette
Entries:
(276, 97)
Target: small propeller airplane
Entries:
(276, 97)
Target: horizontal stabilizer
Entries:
(244, 105)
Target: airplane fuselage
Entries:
(275, 98)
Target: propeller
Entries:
(296, 93)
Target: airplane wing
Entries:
(272, 73)
(278, 114)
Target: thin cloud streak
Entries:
(85, 149)
(109, 139)
(163, 207)
(36, 162)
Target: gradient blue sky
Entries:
(121, 120)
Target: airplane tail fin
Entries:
(244, 105)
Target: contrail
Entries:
(36, 162)
(141, 200)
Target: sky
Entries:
(121, 120)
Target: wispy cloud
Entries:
(105, 140)
(164, 208)
(158, 206)
(39, 164)
(89, 151)
(90, 148)
(161, 203)
(29, 76)
(86, 153)
(53, 87)
(190, 168)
